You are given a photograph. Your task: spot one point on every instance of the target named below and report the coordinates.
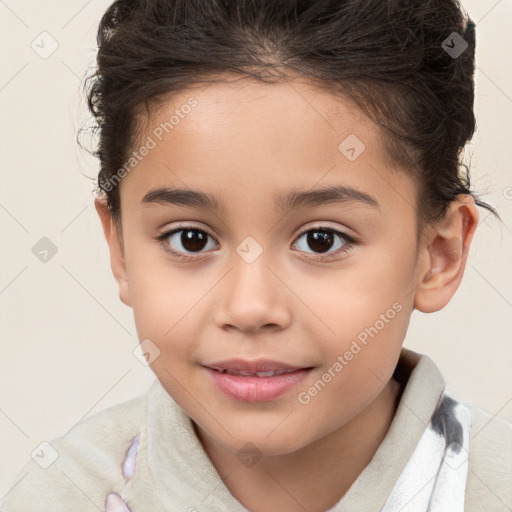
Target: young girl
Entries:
(281, 186)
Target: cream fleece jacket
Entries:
(145, 456)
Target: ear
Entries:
(444, 255)
(115, 245)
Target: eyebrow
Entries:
(291, 200)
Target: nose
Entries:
(253, 297)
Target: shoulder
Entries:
(489, 484)
(77, 470)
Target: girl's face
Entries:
(268, 268)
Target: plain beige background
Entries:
(66, 339)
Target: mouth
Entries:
(255, 366)
(243, 373)
(255, 381)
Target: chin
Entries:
(262, 441)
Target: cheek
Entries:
(362, 331)
(166, 311)
(358, 302)
(363, 355)
(354, 374)
(164, 296)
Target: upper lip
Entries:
(257, 365)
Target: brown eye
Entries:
(184, 241)
(322, 240)
(193, 239)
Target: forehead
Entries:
(254, 136)
(283, 114)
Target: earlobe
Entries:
(445, 255)
(115, 245)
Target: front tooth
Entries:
(265, 374)
(245, 374)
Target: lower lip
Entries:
(256, 389)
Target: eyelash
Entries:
(347, 247)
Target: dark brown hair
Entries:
(389, 56)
